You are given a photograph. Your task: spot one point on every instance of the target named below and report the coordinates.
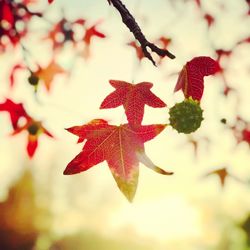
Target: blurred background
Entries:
(205, 205)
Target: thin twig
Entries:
(132, 25)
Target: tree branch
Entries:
(132, 25)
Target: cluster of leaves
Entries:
(14, 17)
(22, 122)
(64, 32)
(123, 146)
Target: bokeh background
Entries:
(42, 209)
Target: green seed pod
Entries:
(33, 80)
(186, 116)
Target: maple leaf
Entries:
(35, 129)
(121, 146)
(138, 50)
(191, 77)
(15, 110)
(48, 73)
(133, 97)
(90, 33)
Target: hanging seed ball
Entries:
(186, 116)
(33, 129)
(33, 80)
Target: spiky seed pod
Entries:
(186, 116)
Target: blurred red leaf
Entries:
(63, 31)
(138, 50)
(90, 33)
(35, 129)
(133, 97)
(121, 146)
(12, 14)
(191, 77)
(209, 19)
(7, 14)
(15, 110)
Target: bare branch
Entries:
(132, 25)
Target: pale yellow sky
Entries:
(166, 209)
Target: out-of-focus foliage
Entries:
(22, 219)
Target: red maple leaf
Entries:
(35, 129)
(121, 146)
(15, 110)
(191, 77)
(133, 97)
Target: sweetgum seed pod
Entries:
(33, 80)
(33, 129)
(186, 116)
